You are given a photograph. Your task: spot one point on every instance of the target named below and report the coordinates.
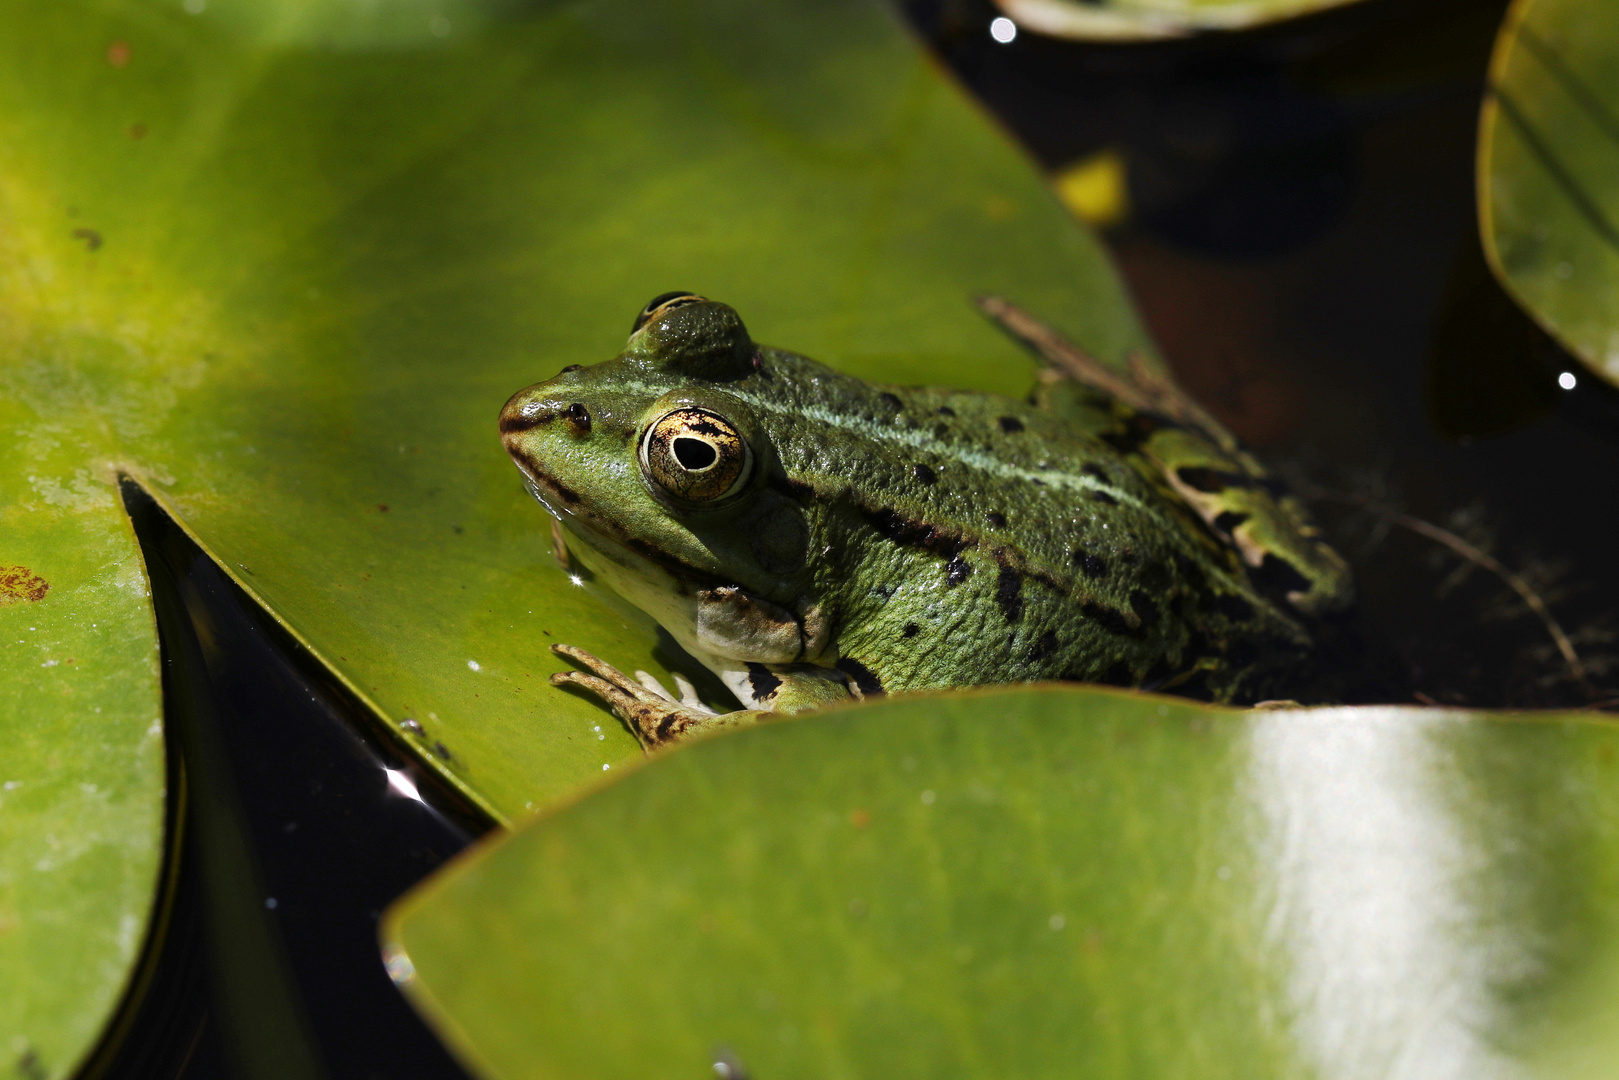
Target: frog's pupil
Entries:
(694, 454)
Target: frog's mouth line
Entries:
(559, 500)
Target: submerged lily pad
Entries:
(1135, 20)
(1549, 172)
(1051, 882)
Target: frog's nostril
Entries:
(578, 418)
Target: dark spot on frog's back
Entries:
(1146, 610)
(891, 401)
(1108, 619)
(996, 518)
(908, 532)
(1046, 646)
(1009, 594)
(1093, 566)
(945, 410)
(911, 630)
(1011, 425)
(1155, 576)
(923, 474)
(957, 571)
(862, 677)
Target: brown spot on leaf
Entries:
(137, 130)
(92, 239)
(119, 53)
(19, 585)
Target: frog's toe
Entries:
(652, 716)
(688, 692)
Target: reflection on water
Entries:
(1375, 903)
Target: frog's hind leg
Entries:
(1281, 551)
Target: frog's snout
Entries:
(524, 411)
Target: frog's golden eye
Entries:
(696, 456)
(659, 304)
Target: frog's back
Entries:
(966, 538)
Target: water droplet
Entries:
(928, 797)
(1567, 380)
(1003, 30)
(473, 664)
(398, 966)
(1057, 922)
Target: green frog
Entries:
(813, 538)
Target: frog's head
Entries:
(655, 464)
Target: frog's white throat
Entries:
(725, 628)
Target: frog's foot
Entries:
(654, 716)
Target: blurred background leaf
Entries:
(1548, 170)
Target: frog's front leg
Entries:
(657, 719)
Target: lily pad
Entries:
(1051, 882)
(282, 264)
(316, 273)
(82, 782)
(1548, 170)
(1140, 20)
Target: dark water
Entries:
(1302, 242)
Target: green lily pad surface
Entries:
(294, 273)
(82, 777)
(1549, 172)
(1135, 20)
(283, 263)
(1051, 882)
